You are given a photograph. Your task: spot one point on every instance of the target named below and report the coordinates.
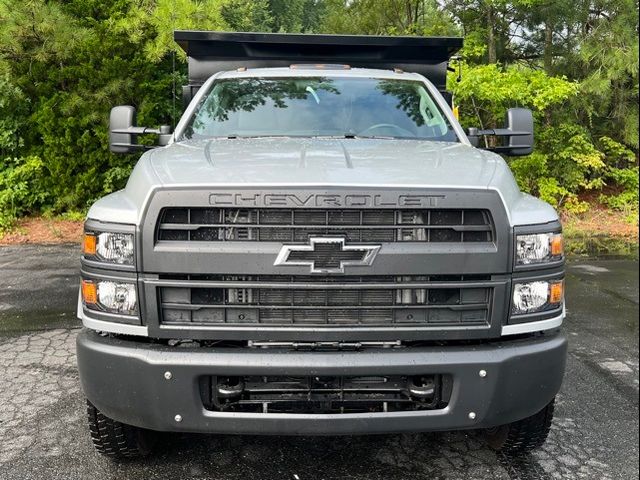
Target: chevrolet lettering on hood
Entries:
(322, 200)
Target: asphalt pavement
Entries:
(43, 433)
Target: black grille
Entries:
(297, 225)
(324, 395)
(309, 301)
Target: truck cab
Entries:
(320, 248)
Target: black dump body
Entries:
(212, 52)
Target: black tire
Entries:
(115, 439)
(524, 435)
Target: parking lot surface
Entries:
(43, 432)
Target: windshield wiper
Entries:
(375, 137)
(233, 136)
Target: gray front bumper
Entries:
(126, 381)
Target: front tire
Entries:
(524, 435)
(117, 440)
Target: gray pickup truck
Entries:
(319, 248)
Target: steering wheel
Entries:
(386, 125)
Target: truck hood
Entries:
(326, 162)
(275, 162)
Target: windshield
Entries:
(319, 106)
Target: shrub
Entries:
(21, 189)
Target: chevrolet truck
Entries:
(319, 248)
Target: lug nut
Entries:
(472, 415)
(482, 373)
(178, 418)
(168, 375)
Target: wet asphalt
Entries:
(43, 433)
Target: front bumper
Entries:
(126, 381)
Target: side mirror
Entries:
(123, 132)
(122, 118)
(520, 124)
(518, 133)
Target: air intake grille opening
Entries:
(325, 394)
(241, 300)
(297, 225)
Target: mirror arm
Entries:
(163, 133)
(141, 130)
(134, 146)
(517, 134)
(123, 131)
(499, 149)
(498, 132)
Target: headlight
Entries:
(109, 247)
(534, 297)
(111, 297)
(538, 248)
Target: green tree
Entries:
(388, 17)
(247, 15)
(608, 64)
(150, 23)
(13, 117)
(74, 67)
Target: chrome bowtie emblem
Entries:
(327, 255)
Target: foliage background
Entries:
(65, 63)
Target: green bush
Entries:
(567, 161)
(21, 189)
(627, 200)
(13, 117)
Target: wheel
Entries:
(115, 439)
(524, 435)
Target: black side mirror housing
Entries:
(123, 132)
(517, 134)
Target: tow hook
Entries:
(229, 387)
(422, 387)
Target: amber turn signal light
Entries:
(557, 245)
(89, 292)
(556, 292)
(89, 244)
